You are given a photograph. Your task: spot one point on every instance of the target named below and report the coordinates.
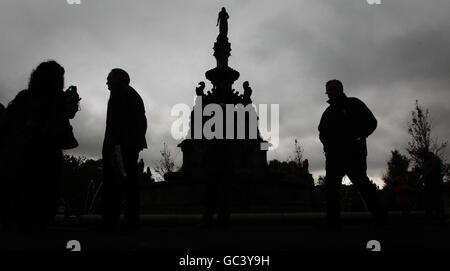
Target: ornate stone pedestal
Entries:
(242, 158)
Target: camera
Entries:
(72, 101)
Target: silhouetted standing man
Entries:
(126, 126)
(220, 174)
(344, 127)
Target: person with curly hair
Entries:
(35, 129)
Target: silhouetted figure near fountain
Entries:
(344, 127)
(222, 22)
(220, 174)
(126, 126)
(35, 129)
(434, 186)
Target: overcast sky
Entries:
(387, 55)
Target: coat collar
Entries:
(338, 101)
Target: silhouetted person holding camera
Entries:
(343, 128)
(126, 126)
(35, 129)
(219, 171)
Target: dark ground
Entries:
(247, 232)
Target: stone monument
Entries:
(234, 147)
(246, 151)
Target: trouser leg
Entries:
(333, 179)
(211, 197)
(132, 205)
(436, 201)
(357, 172)
(7, 203)
(51, 186)
(428, 202)
(29, 195)
(111, 194)
(440, 210)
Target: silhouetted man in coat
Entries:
(126, 126)
(344, 127)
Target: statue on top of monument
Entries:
(247, 93)
(222, 22)
(200, 88)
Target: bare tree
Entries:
(298, 153)
(166, 164)
(419, 128)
